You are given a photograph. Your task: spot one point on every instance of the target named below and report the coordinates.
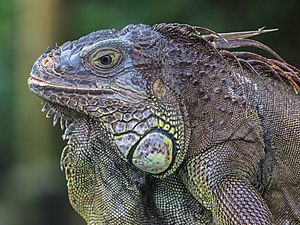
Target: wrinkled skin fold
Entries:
(170, 125)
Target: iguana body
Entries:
(166, 126)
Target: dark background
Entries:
(32, 187)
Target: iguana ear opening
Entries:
(159, 89)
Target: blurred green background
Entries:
(32, 187)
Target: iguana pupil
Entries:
(106, 60)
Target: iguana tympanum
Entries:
(171, 125)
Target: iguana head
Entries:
(120, 78)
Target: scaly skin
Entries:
(166, 126)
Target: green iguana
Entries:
(171, 124)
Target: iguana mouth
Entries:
(35, 82)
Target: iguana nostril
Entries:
(48, 62)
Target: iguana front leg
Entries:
(102, 188)
(222, 180)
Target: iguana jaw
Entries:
(161, 134)
(144, 141)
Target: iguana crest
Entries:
(224, 42)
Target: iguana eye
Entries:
(105, 59)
